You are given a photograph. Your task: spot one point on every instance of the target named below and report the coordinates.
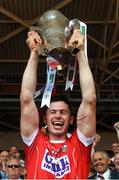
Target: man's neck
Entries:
(57, 138)
(57, 141)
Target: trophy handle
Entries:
(43, 49)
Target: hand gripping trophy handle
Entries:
(43, 49)
(74, 24)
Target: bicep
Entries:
(86, 119)
(29, 120)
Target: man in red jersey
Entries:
(56, 155)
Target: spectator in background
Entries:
(115, 149)
(13, 168)
(116, 169)
(100, 161)
(13, 151)
(4, 156)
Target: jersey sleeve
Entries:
(29, 140)
(83, 139)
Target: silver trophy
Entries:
(55, 31)
(50, 27)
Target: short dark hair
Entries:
(56, 99)
(61, 98)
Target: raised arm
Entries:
(29, 120)
(95, 142)
(86, 116)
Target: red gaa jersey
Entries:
(66, 160)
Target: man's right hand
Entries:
(33, 41)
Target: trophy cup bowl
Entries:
(52, 24)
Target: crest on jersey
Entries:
(57, 166)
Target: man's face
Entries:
(13, 169)
(4, 156)
(115, 147)
(100, 162)
(58, 119)
(116, 161)
(13, 150)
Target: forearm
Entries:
(30, 75)
(86, 78)
(92, 151)
(29, 113)
(86, 116)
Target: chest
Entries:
(59, 160)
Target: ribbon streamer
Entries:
(71, 74)
(72, 68)
(51, 73)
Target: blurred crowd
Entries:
(12, 166)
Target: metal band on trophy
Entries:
(55, 29)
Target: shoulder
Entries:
(34, 137)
